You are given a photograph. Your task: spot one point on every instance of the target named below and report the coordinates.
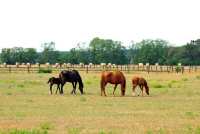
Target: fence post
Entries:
(195, 69)
(87, 69)
(189, 69)
(148, 67)
(9, 69)
(182, 69)
(128, 68)
(38, 67)
(28, 69)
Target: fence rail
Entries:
(97, 68)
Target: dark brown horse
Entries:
(72, 77)
(53, 81)
(115, 78)
(141, 82)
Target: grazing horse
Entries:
(73, 77)
(116, 78)
(53, 81)
(141, 82)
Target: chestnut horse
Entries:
(141, 82)
(116, 78)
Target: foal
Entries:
(141, 82)
(53, 81)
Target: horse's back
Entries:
(138, 80)
(115, 77)
(142, 81)
(135, 80)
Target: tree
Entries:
(49, 54)
(151, 51)
(107, 51)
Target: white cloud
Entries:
(28, 23)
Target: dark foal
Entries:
(53, 81)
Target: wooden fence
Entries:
(97, 68)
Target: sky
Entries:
(29, 23)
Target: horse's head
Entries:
(147, 89)
(81, 87)
(49, 80)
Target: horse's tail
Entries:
(124, 86)
(79, 81)
(146, 87)
(102, 82)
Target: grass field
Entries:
(172, 107)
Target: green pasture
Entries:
(26, 107)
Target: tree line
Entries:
(108, 51)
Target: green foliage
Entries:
(170, 85)
(108, 51)
(198, 77)
(24, 131)
(157, 86)
(18, 54)
(185, 79)
(46, 126)
(45, 70)
(149, 132)
(178, 69)
(151, 51)
(74, 131)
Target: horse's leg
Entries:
(58, 88)
(61, 90)
(73, 85)
(133, 89)
(141, 87)
(122, 94)
(104, 89)
(103, 85)
(114, 89)
(50, 88)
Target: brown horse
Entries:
(116, 78)
(141, 82)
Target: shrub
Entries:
(184, 79)
(74, 131)
(158, 86)
(46, 126)
(24, 131)
(170, 85)
(44, 70)
(198, 77)
(178, 69)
